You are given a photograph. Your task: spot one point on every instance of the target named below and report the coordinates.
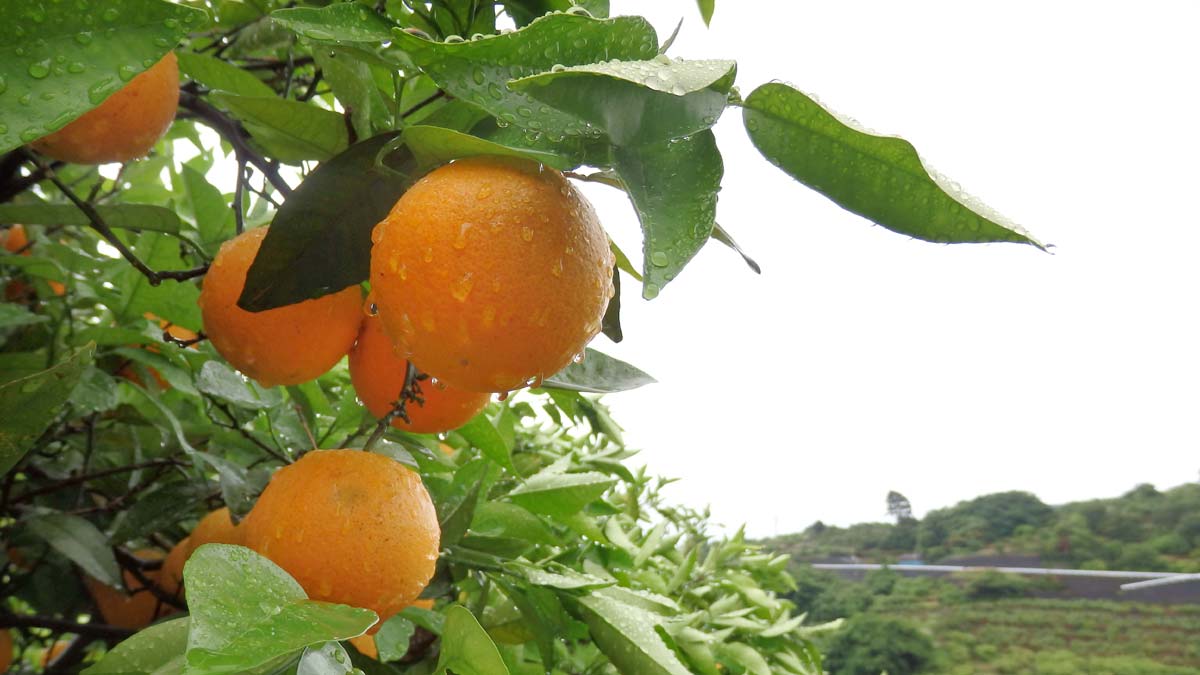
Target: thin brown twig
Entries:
(232, 131)
(95, 475)
(99, 630)
(410, 392)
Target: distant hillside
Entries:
(1144, 529)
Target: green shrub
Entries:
(871, 644)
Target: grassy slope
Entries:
(1053, 637)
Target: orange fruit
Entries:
(285, 345)
(378, 376)
(6, 650)
(365, 644)
(54, 650)
(170, 578)
(126, 125)
(491, 273)
(14, 239)
(136, 609)
(351, 527)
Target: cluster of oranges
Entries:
(487, 275)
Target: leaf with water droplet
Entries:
(131, 35)
(627, 634)
(636, 102)
(26, 411)
(247, 612)
(479, 71)
(466, 647)
(157, 649)
(673, 186)
(878, 177)
(341, 22)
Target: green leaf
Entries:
(65, 62)
(706, 10)
(878, 177)
(745, 656)
(220, 75)
(342, 22)
(320, 240)
(219, 380)
(503, 520)
(120, 216)
(354, 85)
(598, 373)
(637, 102)
(610, 325)
(627, 635)
(525, 11)
(456, 507)
(557, 576)
(673, 186)
(393, 637)
(207, 207)
(247, 612)
(479, 71)
(96, 391)
(329, 658)
(434, 146)
(481, 433)
(560, 494)
(80, 542)
(289, 131)
(173, 301)
(720, 234)
(13, 315)
(466, 647)
(154, 650)
(28, 405)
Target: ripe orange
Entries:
(491, 273)
(216, 527)
(285, 345)
(352, 527)
(126, 125)
(14, 239)
(135, 610)
(6, 650)
(378, 375)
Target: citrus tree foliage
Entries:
(120, 427)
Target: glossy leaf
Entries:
(247, 612)
(80, 542)
(320, 240)
(329, 658)
(120, 216)
(706, 10)
(343, 22)
(289, 131)
(219, 380)
(354, 85)
(560, 494)
(29, 404)
(434, 146)
(466, 647)
(598, 373)
(637, 102)
(154, 650)
(878, 177)
(673, 186)
(393, 637)
(722, 235)
(64, 62)
(220, 75)
(610, 325)
(500, 519)
(478, 71)
(481, 433)
(627, 636)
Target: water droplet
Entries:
(650, 291)
(83, 38)
(454, 39)
(101, 89)
(462, 288)
(495, 91)
(502, 396)
(478, 75)
(489, 316)
(32, 134)
(484, 192)
(428, 257)
(40, 69)
(127, 72)
(526, 233)
(557, 268)
(25, 99)
(659, 259)
(171, 23)
(460, 242)
(110, 14)
(372, 309)
(402, 270)
(578, 358)
(75, 67)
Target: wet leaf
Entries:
(598, 373)
(28, 405)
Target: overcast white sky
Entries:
(862, 361)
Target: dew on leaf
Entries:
(83, 38)
(110, 14)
